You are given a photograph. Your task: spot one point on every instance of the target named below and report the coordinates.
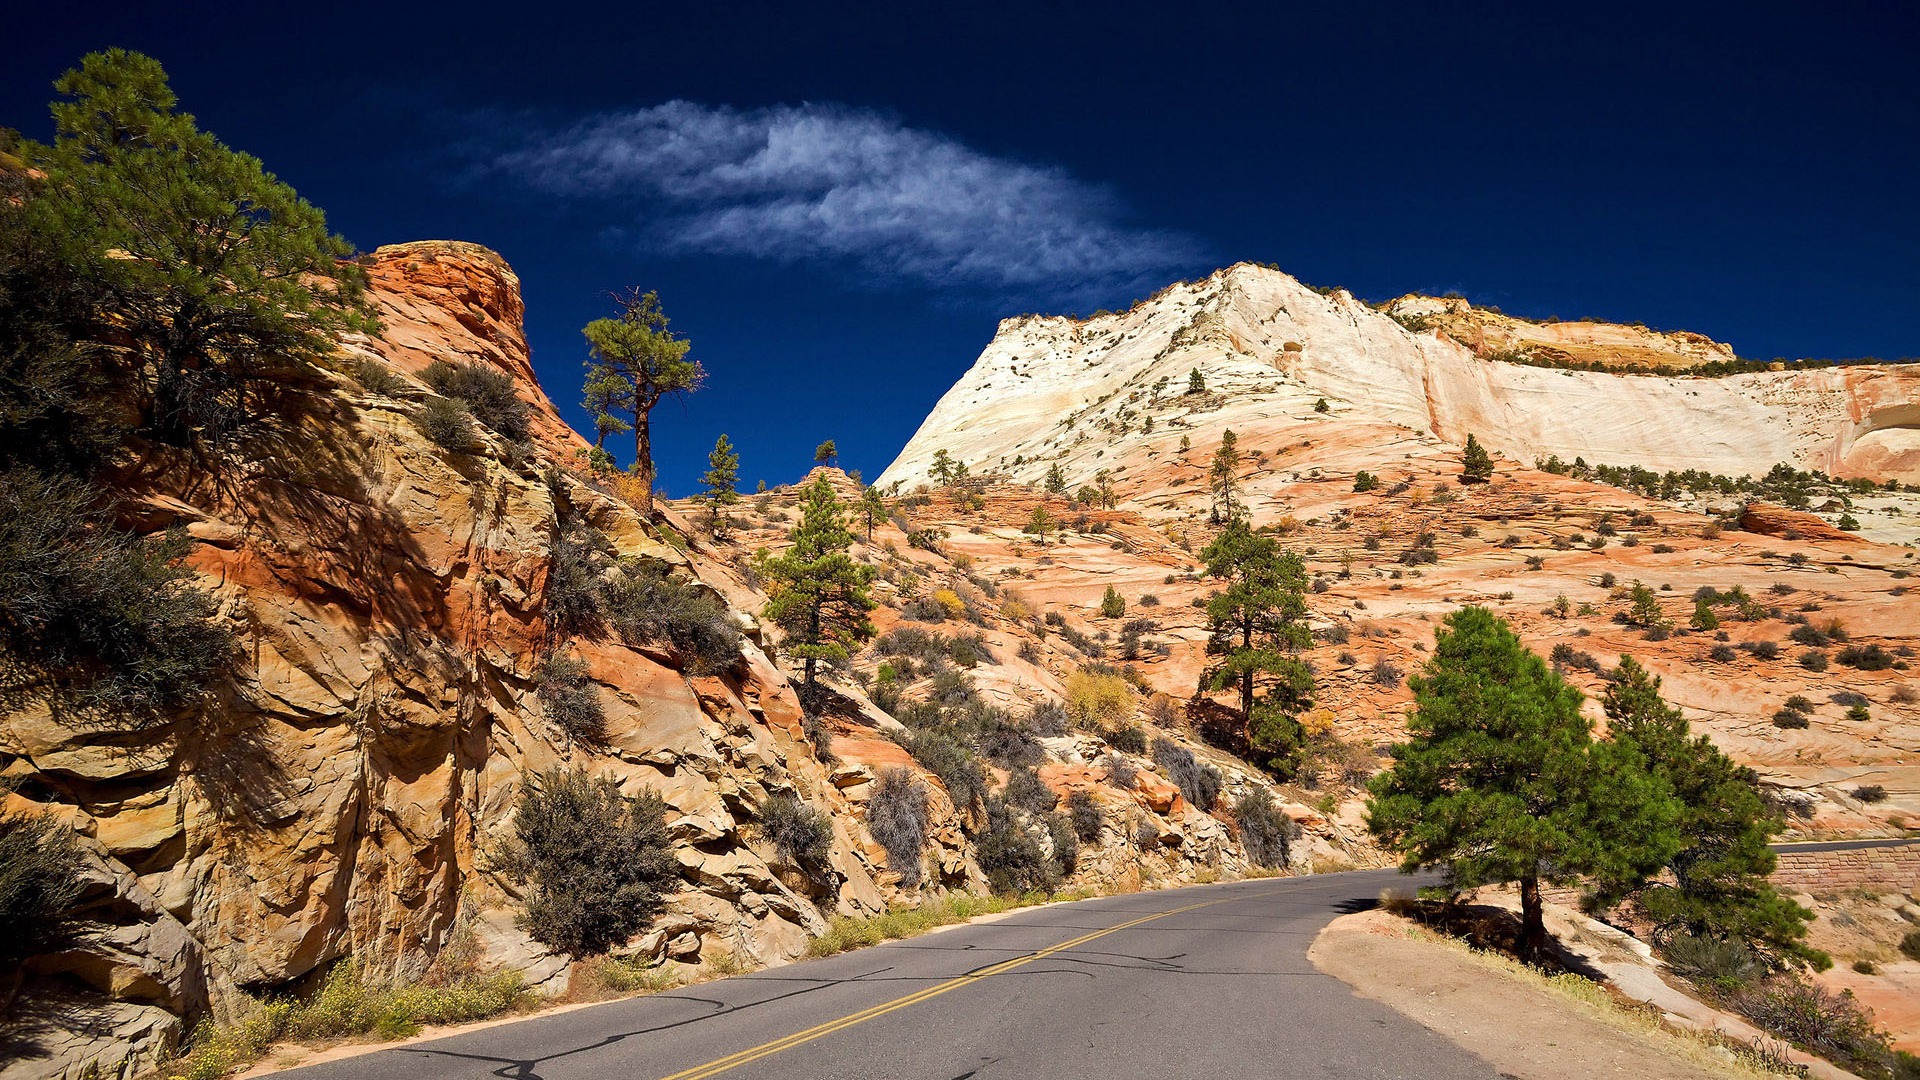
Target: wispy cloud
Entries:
(855, 188)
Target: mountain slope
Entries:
(1052, 389)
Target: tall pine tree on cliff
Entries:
(1476, 465)
(819, 595)
(721, 479)
(1500, 779)
(637, 351)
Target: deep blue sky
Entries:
(1750, 171)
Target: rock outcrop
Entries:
(346, 795)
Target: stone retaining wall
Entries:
(1879, 868)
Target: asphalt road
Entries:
(1208, 981)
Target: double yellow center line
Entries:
(752, 1054)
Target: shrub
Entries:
(1787, 718)
(1120, 772)
(600, 863)
(1910, 945)
(1047, 718)
(1722, 654)
(1808, 634)
(1112, 604)
(1026, 791)
(488, 395)
(1865, 657)
(1365, 481)
(1266, 832)
(1009, 855)
(1858, 713)
(448, 424)
(897, 818)
(1083, 813)
(570, 700)
(802, 835)
(1199, 783)
(1010, 746)
(111, 622)
(1065, 843)
(1813, 660)
(1870, 793)
(1385, 673)
(1762, 650)
(40, 880)
(1149, 600)
(377, 377)
(950, 603)
(818, 732)
(1720, 963)
(954, 764)
(1128, 739)
(1835, 1026)
(1097, 699)
(645, 604)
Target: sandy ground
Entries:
(1525, 1030)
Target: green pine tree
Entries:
(1223, 479)
(1112, 604)
(221, 281)
(1056, 480)
(819, 594)
(1703, 616)
(873, 509)
(1719, 885)
(1040, 524)
(1258, 624)
(638, 350)
(722, 479)
(826, 453)
(1476, 465)
(1500, 779)
(1196, 383)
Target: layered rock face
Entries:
(347, 795)
(1050, 389)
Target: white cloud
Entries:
(822, 183)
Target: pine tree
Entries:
(1056, 480)
(946, 471)
(1500, 779)
(1040, 524)
(1224, 478)
(826, 453)
(637, 349)
(605, 395)
(220, 279)
(1703, 616)
(873, 509)
(1258, 623)
(721, 479)
(819, 595)
(1720, 885)
(1476, 465)
(1196, 383)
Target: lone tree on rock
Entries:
(1056, 480)
(1224, 477)
(636, 350)
(1476, 465)
(721, 479)
(1196, 382)
(826, 453)
(1501, 780)
(1258, 622)
(819, 596)
(873, 509)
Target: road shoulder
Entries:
(1513, 1019)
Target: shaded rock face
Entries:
(346, 793)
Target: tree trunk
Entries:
(643, 459)
(1533, 926)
